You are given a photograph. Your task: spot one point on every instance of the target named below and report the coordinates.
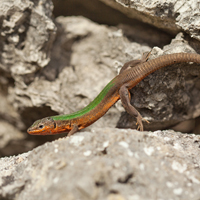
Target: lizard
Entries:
(119, 87)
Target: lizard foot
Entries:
(139, 122)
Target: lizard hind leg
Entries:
(125, 99)
(133, 63)
(145, 56)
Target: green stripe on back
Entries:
(89, 107)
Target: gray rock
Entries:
(65, 84)
(79, 67)
(170, 100)
(169, 15)
(106, 164)
(27, 33)
(12, 133)
(50, 67)
(26, 36)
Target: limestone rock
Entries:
(55, 66)
(171, 94)
(50, 67)
(27, 33)
(106, 164)
(169, 15)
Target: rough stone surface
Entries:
(47, 77)
(106, 164)
(169, 15)
(169, 95)
(83, 54)
(26, 35)
(93, 59)
(55, 66)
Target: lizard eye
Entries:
(41, 126)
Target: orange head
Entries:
(47, 126)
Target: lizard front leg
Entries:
(74, 130)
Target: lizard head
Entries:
(45, 126)
(49, 126)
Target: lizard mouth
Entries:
(32, 131)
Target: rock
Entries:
(168, 15)
(65, 84)
(27, 33)
(78, 68)
(106, 164)
(92, 9)
(51, 67)
(55, 66)
(170, 100)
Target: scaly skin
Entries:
(118, 88)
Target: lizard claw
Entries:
(145, 120)
(139, 122)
